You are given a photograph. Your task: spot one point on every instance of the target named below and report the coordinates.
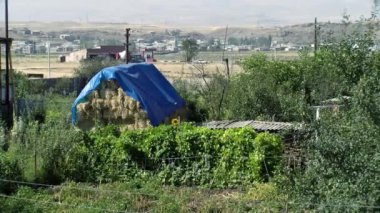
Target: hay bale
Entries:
(114, 104)
(107, 114)
(126, 101)
(148, 123)
(97, 103)
(132, 105)
(131, 127)
(141, 124)
(143, 115)
(120, 96)
(125, 113)
(94, 95)
(109, 94)
(84, 109)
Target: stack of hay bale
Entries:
(112, 106)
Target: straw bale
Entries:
(95, 95)
(109, 94)
(125, 113)
(114, 104)
(131, 127)
(97, 104)
(84, 109)
(120, 96)
(129, 120)
(107, 114)
(132, 105)
(141, 124)
(136, 116)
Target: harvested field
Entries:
(171, 70)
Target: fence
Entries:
(61, 85)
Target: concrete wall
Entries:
(77, 56)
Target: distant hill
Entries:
(297, 34)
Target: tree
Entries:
(233, 41)
(341, 171)
(88, 68)
(190, 49)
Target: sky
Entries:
(187, 12)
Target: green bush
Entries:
(9, 170)
(42, 150)
(178, 155)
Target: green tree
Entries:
(342, 167)
(233, 41)
(88, 68)
(190, 49)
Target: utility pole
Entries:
(127, 45)
(224, 49)
(315, 36)
(7, 50)
(6, 106)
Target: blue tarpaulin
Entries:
(144, 83)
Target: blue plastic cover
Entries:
(144, 83)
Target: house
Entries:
(102, 51)
(105, 51)
(64, 36)
(28, 49)
(332, 105)
(77, 56)
(240, 48)
(25, 31)
(36, 33)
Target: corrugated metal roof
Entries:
(106, 49)
(257, 125)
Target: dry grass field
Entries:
(169, 65)
(171, 70)
(40, 65)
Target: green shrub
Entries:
(9, 170)
(42, 150)
(179, 155)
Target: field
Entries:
(40, 65)
(169, 64)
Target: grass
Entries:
(142, 196)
